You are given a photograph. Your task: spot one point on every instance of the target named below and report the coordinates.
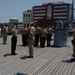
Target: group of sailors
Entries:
(41, 35)
(33, 36)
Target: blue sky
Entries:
(15, 8)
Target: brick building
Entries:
(47, 13)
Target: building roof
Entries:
(46, 3)
(13, 18)
(28, 11)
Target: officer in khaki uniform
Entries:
(49, 35)
(37, 35)
(24, 35)
(5, 33)
(14, 40)
(31, 39)
(43, 37)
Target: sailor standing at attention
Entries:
(31, 40)
(14, 40)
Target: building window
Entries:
(12, 23)
(24, 15)
(29, 15)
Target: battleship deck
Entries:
(46, 61)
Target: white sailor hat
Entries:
(31, 22)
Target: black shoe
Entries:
(42, 46)
(30, 57)
(4, 43)
(72, 55)
(12, 53)
(72, 59)
(15, 54)
(48, 46)
(21, 45)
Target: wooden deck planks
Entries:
(46, 61)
